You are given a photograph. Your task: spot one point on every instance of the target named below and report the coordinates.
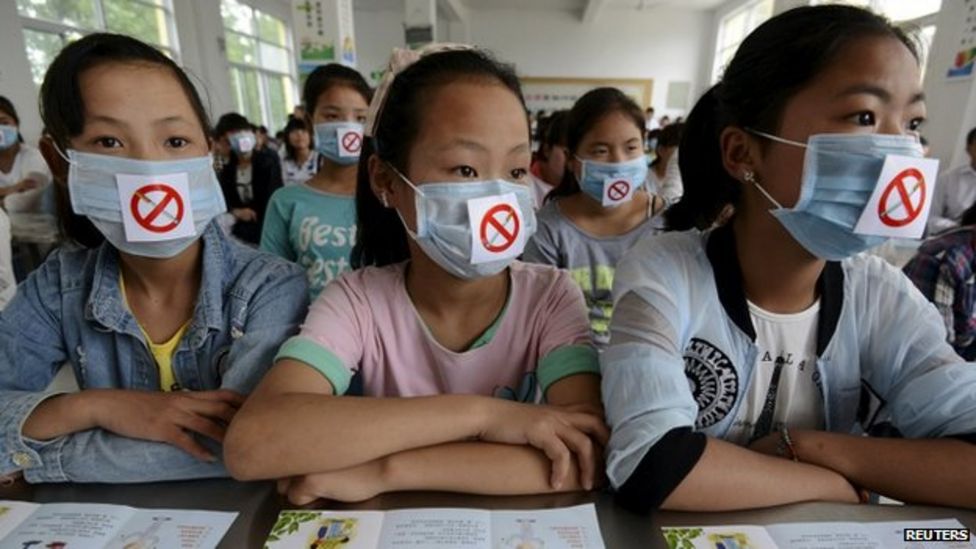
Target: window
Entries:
(734, 28)
(261, 74)
(51, 24)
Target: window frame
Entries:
(61, 29)
(750, 8)
(264, 74)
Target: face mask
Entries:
(145, 208)
(450, 216)
(242, 142)
(612, 183)
(340, 142)
(840, 173)
(8, 136)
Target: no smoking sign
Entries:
(155, 208)
(497, 228)
(616, 191)
(899, 206)
(350, 142)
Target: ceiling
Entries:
(543, 5)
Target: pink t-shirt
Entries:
(365, 321)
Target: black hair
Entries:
(771, 65)
(7, 106)
(328, 76)
(669, 136)
(263, 129)
(63, 110)
(971, 136)
(556, 131)
(382, 239)
(293, 125)
(232, 122)
(586, 112)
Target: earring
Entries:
(383, 199)
(749, 176)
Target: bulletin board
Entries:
(550, 94)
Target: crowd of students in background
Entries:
(687, 303)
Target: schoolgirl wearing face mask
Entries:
(478, 371)
(748, 361)
(601, 207)
(314, 223)
(165, 322)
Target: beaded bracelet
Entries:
(786, 445)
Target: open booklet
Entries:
(569, 527)
(26, 525)
(820, 535)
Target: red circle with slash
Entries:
(497, 218)
(150, 220)
(904, 201)
(618, 190)
(352, 142)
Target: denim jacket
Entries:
(71, 310)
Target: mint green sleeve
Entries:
(319, 358)
(565, 361)
(274, 232)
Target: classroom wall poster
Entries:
(551, 94)
(324, 33)
(965, 57)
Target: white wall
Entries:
(662, 43)
(951, 105)
(15, 75)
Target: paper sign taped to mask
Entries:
(616, 191)
(350, 142)
(155, 208)
(497, 228)
(899, 206)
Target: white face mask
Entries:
(444, 227)
(162, 216)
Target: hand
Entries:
(167, 417)
(559, 432)
(357, 483)
(245, 214)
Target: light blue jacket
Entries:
(683, 349)
(71, 310)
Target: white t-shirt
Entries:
(293, 174)
(954, 193)
(27, 163)
(789, 341)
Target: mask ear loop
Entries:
(750, 177)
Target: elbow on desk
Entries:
(246, 451)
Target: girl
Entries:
(435, 332)
(24, 175)
(597, 213)
(314, 224)
(664, 177)
(768, 338)
(166, 328)
(249, 178)
(299, 161)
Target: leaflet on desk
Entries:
(823, 535)
(565, 528)
(26, 525)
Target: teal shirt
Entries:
(313, 228)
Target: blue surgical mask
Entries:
(242, 142)
(612, 183)
(8, 136)
(93, 188)
(443, 227)
(840, 173)
(328, 141)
